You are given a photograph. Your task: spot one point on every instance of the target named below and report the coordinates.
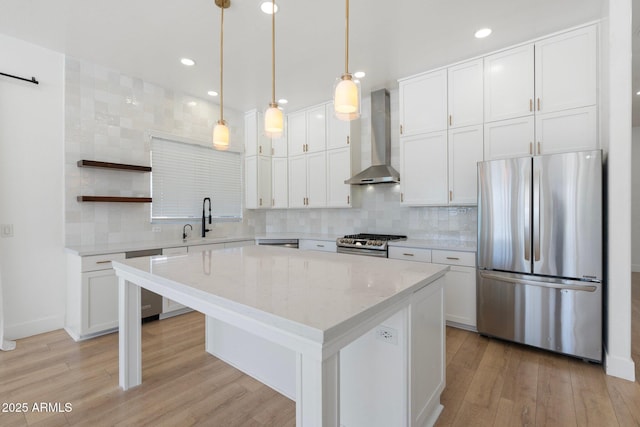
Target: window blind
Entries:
(184, 174)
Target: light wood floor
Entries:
(489, 382)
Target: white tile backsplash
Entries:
(107, 117)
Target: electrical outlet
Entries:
(387, 334)
(6, 230)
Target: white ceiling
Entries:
(389, 39)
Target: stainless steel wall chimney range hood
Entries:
(380, 171)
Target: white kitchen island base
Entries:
(318, 332)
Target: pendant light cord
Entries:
(273, 51)
(346, 41)
(221, 58)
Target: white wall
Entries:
(31, 188)
(635, 200)
(617, 119)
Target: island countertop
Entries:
(312, 294)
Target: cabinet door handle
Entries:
(260, 149)
(347, 140)
(530, 104)
(401, 197)
(273, 151)
(260, 201)
(273, 202)
(530, 147)
(407, 254)
(103, 262)
(538, 104)
(539, 150)
(453, 258)
(450, 120)
(348, 197)
(400, 129)
(450, 195)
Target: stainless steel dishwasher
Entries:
(151, 303)
(285, 243)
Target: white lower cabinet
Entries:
(460, 287)
(317, 245)
(92, 295)
(170, 307)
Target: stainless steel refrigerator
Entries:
(540, 252)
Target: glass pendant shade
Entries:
(273, 121)
(346, 98)
(221, 135)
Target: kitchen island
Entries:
(308, 312)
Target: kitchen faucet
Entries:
(184, 232)
(204, 230)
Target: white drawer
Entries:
(99, 262)
(467, 259)
(410, 254)
(181, 250)
(317, 245)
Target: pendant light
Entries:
(273, 117)
(346, 97)
(221, 131)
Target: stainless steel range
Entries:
(366, 244)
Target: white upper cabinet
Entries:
(279, 183)
(316, 129)
(508, 84)
(255, 140)
(297, 181)
(564, 131)
(257, 182)
(308, 180)
(338, 170)
(279, 146)
(338, 131)
(423, 103)
(565, 71)
(296, 133)
(465, 151)
(423, 167)
(465, 94)
(509, 138)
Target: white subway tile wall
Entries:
(107, 118)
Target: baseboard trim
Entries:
(34, 327)
(621, 367)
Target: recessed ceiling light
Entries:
(359, 74)
(188, 62)
(638, 92)
(282, 101)
(482, 33)
(212, 93)
(267, 7)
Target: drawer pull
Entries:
(405, 254)
(103, 262)
(453, 258)
(320, 246)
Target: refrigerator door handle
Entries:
(527, 219)
(573, 286)
(536, 212)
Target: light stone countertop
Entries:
(111, 248)
(299, 236)
(318, 295)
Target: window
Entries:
(184, 174)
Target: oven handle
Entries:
(362, 251)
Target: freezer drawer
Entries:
(564, 316)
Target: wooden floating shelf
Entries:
(115, 199)
(114, 166)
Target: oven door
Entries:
(380, 253)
